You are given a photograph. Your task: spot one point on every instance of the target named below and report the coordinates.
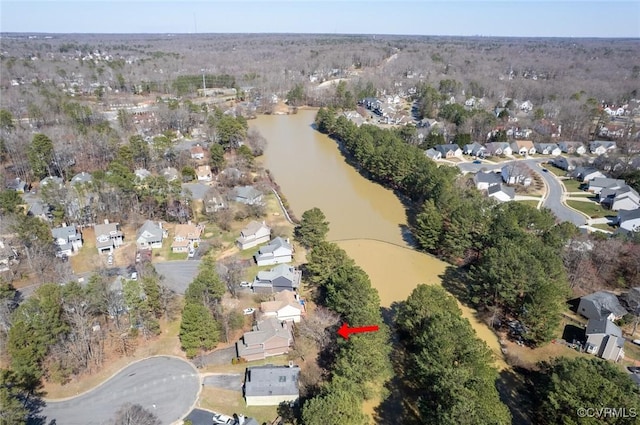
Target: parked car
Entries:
(544, 170)
(192, 253)
(633, 369)
(245, 284)
(636, 341)
(134, 276)
(477, 161)
(248, 311)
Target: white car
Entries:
(134, 276)
(248, 311)
(110, 260)
(636, 341)
(245, 284)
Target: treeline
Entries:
(511, 252)
(360, 365)
(187, 84)
(447, 369)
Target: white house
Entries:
(150, 235)
(108, 237)
(523, 147)
(285, 307)
(548, 149)
(572, 147)
(67, 239)
(278, 251)
(629, 220)
(449, 151)
(516, 173)
(485, 180)
(203, 172)
(253, 235)
(600, 147)
(433, 154)
(197, 152)
(501, 192)
(271, 385)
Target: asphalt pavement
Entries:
(225, 381)
(178, 274)
(166, 386)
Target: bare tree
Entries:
(135, 414)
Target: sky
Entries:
(513, 18)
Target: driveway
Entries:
(166, 386)
(178, 274)
(231, 381)
(221, 356)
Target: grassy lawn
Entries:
(592, 209)
(87, 257)
(529, 202)
(229, 402)
(603, 226)
(555, 170)
(572, 185)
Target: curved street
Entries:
(166, 386)
(554, 196)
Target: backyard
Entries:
(590, 208)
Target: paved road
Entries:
(178, 274)
(228, 381)
(553, 199)
(168, 383)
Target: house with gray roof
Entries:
(8, 255)
(280, 278)
(67, 239)
(629, 220)
(621, 198)
(150, 235)
(247, 195)
(18, 185)
(213, 201)
(599, 183)
(604, 339)
(54, 181)
(585, 174)
(271, 385)
(474, 149)
(547, 149)
(81, 178)
(254, 234)
(170, 174)
(142, 173)
(108, 237)
(485, 180)
(601, 305)
(433, 154)
(572, 147)
(277, 251)
(600, 147)
(269, 337)
(501, 192)
(563, 163)
(450, 150)
(498, 148)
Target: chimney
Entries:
(290, 363)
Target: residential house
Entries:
(150, 235)
(278, 251)
(516, 173)
(170, 174)
(213, 201)
(253, 235)
(597, 184)
(283, 277)
(40, 210)
(7, 255)
(428, 123)
(501, 192)
(197, 152)
(271, 385)
(475, 149)
(586, 174)
(629, 220)
(55, 182)
(108, 237)
(248, 195)
(81, 178)
(547, 149)
(485, 180)
(526, 106)
(18, 185)
(498, 148)
(67, 239)
(546, 127)
(601, 305)
(186, 237)
(203, 172)
(354, 117)
(601, 147)
(269, 337)
(563, 163)
(285, 307)
(433, 154)
(623, 198)
(523, 147)
(572, 148)
(449, 151)
(604, 339)
(142, 173)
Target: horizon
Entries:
(490, 19)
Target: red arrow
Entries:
(345, 330)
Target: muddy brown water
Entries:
(366, 220)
